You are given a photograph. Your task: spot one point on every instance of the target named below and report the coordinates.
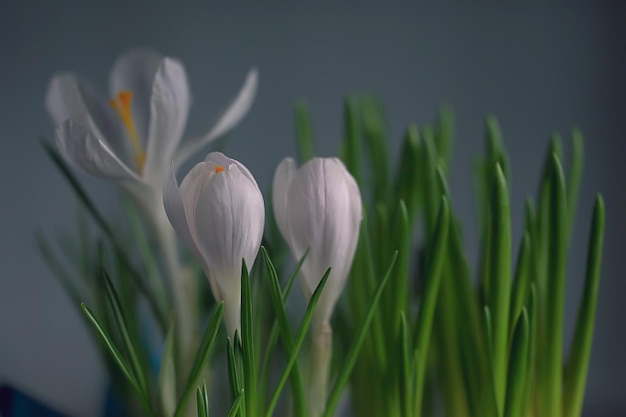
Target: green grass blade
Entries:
(521, 281)
(348, 364)
(283, 324)
(233, 373)
(375, 131)
(117, 357)
(406, 367)
(555, 296)
(575, 174)
(578, 364)
(166, 382)
(201, 358)
(237, 404)
(499, 293)
(299, 340)
(429, 180)
(129, 343)
(247, 344)
(202, 401)
(432, 279)
(352, 137)
(304, 134)
(518, 368)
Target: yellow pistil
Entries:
(219, 169)
(122, 105)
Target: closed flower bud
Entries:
(218, 211)
(319, 207)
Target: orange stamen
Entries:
(219, 169)
(122, 104)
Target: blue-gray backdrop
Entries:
(539, 68)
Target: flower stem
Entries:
(321, 355)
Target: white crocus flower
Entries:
(218, 211)
(132, 137)
(319, 207)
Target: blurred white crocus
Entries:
(319, 207)
(218, 211)
(132, 137)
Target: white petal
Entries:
(85, 150)
(218, 158)
(229, 118)
(322, 215)
(135, 71)
(229, 220)
(285, 172)
(70, 98)
(169, 109)
(175, 211)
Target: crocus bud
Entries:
(319, 207)
(218, 211)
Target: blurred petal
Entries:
(282, 179)
(228, 120)
(175, 211)
(135, 71)
(85, 150)
(71, 98)
(169, 109)
(324, 213)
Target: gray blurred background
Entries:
(538, 68)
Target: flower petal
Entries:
(70, 97)
(324, 214)
(282, 179)
(229, 219)
(229, 118)
(169, 109)
(135, 71)
(175, 211)
(85, 150)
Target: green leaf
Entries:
(201, 358)
(348, 364)
(234, 409)
(166, 382)
(352, 137)
(117, 357)
(129, 343)
(429, 180)
(202, 401)
(375, 130)
(247, 343)
(283, 325)
(521, 282)
(233, 373)
(406, 367)
(555, 295)
(578, 363)
(300, 336)
(518, 368)
(432, 279)
(304, 134)
(499, 294)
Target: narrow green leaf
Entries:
(555, 296)
(304, 134)
(58, 269)
(201, 358)
(532, 349)
(376, 139)
(129, 343)
(518, 368)
(406, 367)
(283, 324)
(247, 343)
(233, 373)
(499, 294)
(299, 340)
(352, 137)
(117, 357)
(202, 401)
(166, 382)
(490, 403)
(578, 363)
(234, 409)
(348, 364)
(521, 281)
(575, 174)
(432, 279)
(429, 180)
(408, 175)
